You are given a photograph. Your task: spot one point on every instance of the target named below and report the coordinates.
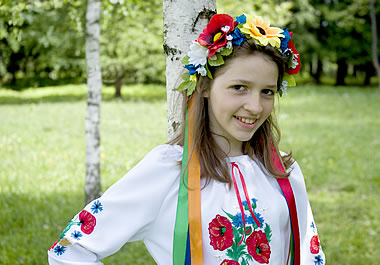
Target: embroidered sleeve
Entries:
(311, 250)
(123, 214)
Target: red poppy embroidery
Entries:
(258, 247)
(87, 221)
(314, 244)
(229, 262)
(221, 233)
(214, 36)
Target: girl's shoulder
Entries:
(165, 152)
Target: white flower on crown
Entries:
(295, 61)
(283, 87)
(202, 70)
(197, 54)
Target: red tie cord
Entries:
(239, 198)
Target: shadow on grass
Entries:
(29, 225)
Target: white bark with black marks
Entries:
(183, 21)
(375, 56)
(94, 83)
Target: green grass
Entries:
(333, 133)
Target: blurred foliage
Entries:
(42, 42)
(131, 42)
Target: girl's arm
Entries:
(124, 213)
(311, 250)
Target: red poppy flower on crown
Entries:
(214, 36)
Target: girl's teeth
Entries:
(248, 121)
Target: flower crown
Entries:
(222, 33)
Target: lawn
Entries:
(333, 133)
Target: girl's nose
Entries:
(253, 104)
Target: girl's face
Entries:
(240, 99)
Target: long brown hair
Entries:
(211, 157)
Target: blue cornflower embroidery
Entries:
(96, 207)
(238, 220)
(313, 226)
(76, 235)
(259, 218)
(318, 260)
(59, 250)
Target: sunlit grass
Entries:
(333, 133)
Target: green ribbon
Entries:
(182, 217)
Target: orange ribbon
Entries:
(194, 196)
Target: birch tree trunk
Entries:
(94, 83)
(375, 56)
(183, 22)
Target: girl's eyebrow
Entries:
(246, 82)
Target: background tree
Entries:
(94, 83)
(183, 22)
(375, 57)
(41, 42)
(131, 43)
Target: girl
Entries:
(220, 193)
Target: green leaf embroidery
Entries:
(244, 262)
(230, 215)
(268, 232)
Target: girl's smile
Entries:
(241, 99)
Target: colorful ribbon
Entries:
(289, 197)
(188, 219)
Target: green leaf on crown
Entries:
(185, 60)
(209, 75)
(217, 62)
(188, 85)
(226, 52)
(185, 76)
(290, 79)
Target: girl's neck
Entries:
(230, 148)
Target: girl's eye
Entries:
(239, 88)
(268, 92)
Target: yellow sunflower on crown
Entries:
(260, 30)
